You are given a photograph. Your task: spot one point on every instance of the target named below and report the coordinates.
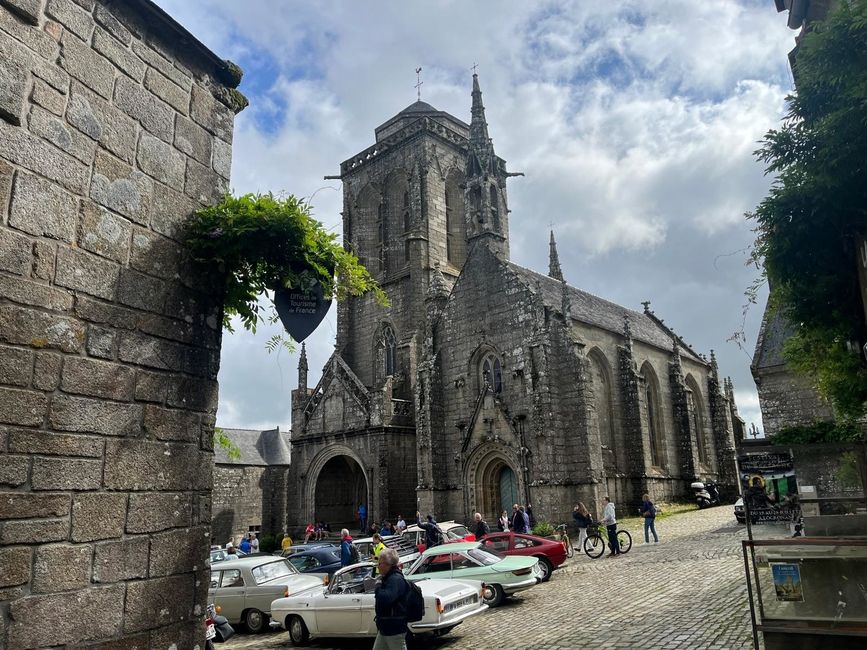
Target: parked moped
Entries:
(217, 628)
(706, 494)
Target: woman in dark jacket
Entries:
(648, 511)
(582, 521)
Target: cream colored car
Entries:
(245, 587)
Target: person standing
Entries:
(390, 603)
(526, 517)
(610, 521)
(362, 517)
(401, 524)
(432, 532)
(378, 546)
(244, 546)
(503, 522)
(286, 542)
(254, 543)
(648, 511)
(345, 548)
(582, 521)
(482, 528)
(517, 519)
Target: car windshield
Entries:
(273, 571)
(483, 557)
(457, 532)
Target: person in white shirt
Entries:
(401, 524)
(610, 522)
(254, 543)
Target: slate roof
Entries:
(262, 448)
(773, 333)
(601, 313)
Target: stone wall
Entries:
(109, 342)
(788, 400)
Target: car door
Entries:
(496, 543)
(339, 612)
(230, 594)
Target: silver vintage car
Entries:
(245, 587)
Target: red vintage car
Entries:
(551, 554)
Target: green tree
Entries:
(808, 224)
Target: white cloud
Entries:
(634, 122)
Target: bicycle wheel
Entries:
(624, 540)
(568, 542)
(594, 546)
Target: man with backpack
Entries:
(433, 535)
(348, 552)
(392, 600)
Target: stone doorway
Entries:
(498, 488)
(340, 488)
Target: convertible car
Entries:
(503, 576)
(345, 608)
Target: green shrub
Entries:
(543, 529)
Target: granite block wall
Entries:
(111, 134)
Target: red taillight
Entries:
(522, 572)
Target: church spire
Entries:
(554, 270)
(486, 207)
(302, 368)
(479, 138)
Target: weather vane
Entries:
(419, 82)
(475, 67)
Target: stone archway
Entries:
(336, 485)
(495, 480)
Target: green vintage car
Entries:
(503, 576)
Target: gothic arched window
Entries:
(381, 231)
(456, 228)
(495, 205)
(389, 344)
(653, 412)
(492, 373)
(696, 408)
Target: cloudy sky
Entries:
(634, 123)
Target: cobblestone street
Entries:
(686, 592)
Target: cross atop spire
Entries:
(554, 269)
(419, 82)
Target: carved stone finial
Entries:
(646, 304)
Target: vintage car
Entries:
(243, 588)
(300, 548)
(454, 532)
(503, 576)
(406, 550)
(345, 608)
(551, 554)
(320, 561)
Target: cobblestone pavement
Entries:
(687, 592)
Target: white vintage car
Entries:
(345, 608)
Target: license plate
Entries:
(460, 603)
(210, 631)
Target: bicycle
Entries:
(597, 540)
(563, 538)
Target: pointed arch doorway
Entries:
(499, 487)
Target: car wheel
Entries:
(546, 566)
(493, 595)
(255, 621)
(298, 633)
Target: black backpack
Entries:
(354, 558)
(413, 603)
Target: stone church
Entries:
(484, 383)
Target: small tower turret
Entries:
(302, 369)
(554, 269)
